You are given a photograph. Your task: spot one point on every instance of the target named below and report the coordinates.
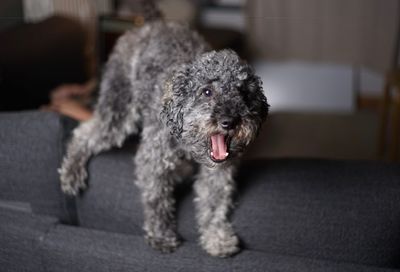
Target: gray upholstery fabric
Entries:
(292, 214)
(337, 210)
(343, 211)
(255, 261)
(30, 151)
(78, 249)
(112, 203)
(39, 243)
(20, 235)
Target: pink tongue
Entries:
(218, 146)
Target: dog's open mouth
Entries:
(219, 147)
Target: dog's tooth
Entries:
(212, 154)
(226, 154)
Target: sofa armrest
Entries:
(30, 153)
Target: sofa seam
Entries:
(68, 204)
(41, 241)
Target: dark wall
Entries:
(11, 13)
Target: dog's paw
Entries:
(220, 243)
(72, 179)
(166, 244)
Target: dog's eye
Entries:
(207, 92)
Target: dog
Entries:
(189, 104)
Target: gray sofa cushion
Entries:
(20, 236)
(30, 152)
(315, 209)
(337, 210)
(39, 243)
(255, 261)
(112, 201)
(78, 249)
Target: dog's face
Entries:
(214, 106)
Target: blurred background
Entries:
(329, 67)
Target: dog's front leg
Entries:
(154, 165)
(214, 188)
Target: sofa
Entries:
(291, 214)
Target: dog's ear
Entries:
(175, 91)
(253, 92)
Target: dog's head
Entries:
(214, 106)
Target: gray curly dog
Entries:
(189, 104)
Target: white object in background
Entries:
(224, 18)
(86, 10)
(307, 87)
(37, 10)
(240, 3)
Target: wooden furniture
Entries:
(389, 138)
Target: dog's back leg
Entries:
(115, 117)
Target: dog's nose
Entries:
(228, 123)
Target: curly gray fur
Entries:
(154, 84)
